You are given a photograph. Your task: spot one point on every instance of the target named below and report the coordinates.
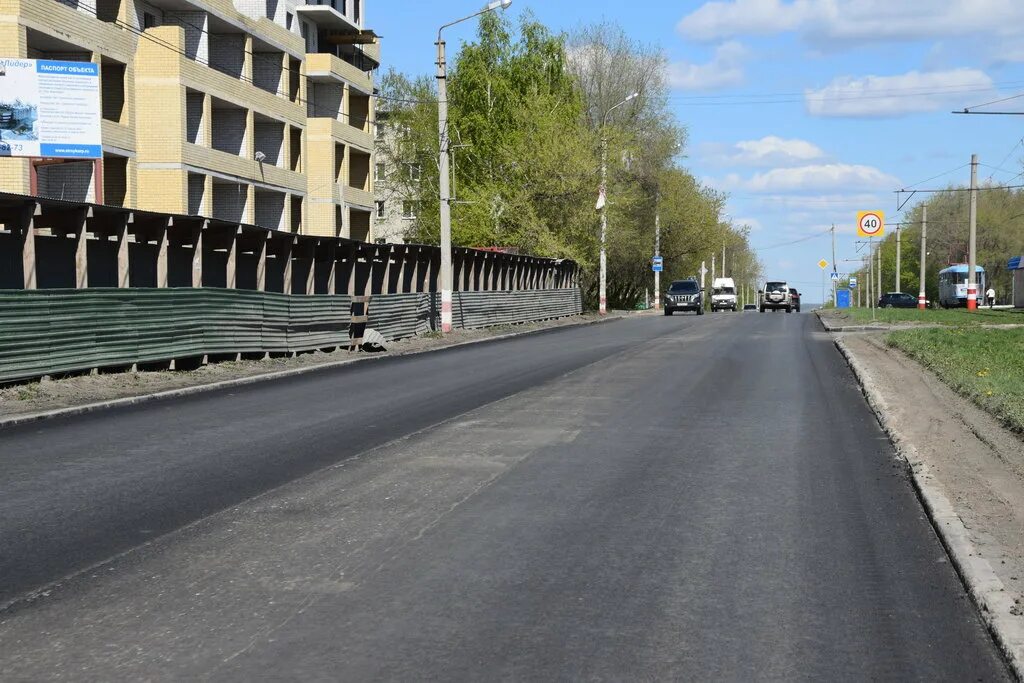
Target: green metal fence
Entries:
(52, 331)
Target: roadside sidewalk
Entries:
(76, 394)
(969, 472)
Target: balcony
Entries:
(327, 68)
(328, 14)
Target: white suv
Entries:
(775, 295)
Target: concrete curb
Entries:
(989, 594)
(17, 420)
(829, 327)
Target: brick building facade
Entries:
(257, 111)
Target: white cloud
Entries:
(821, 177)
(886, 96)
(847, 21)
(770, 150)
(725, 69)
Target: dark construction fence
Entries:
(89, 286)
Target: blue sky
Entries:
(803, 111)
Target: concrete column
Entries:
(123, 268)
(261, 266)
(27, 235)
(247, 57)
(161, 254)
(207, 140)
(197, 255)
(332, 269)
(288, 254)
(402, 268)
(353, 257)
(81, 252)
(414, 282)
(311, 275)
(231, 276)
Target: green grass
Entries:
(952, 316)
(985, 365)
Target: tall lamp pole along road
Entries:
(922, 299)
(443, 164)
(602, 204)
(972, 254)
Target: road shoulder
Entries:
(969, 473)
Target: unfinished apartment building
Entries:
(255, 111)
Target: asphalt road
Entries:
(659, 498)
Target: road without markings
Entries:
(667, 498)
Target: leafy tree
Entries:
(526, 155)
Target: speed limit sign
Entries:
(870, 223)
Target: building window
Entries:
(378, 171)
(414, 172)
(408, 209)
(380, 209)
(288, 19)
(149, 20)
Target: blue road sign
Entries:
(835, 277)
(842, 298)
(657, 264)
(853, 283)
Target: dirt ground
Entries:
(76, 390)
(978, 463)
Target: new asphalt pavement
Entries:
(656, 498)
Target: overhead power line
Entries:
(796, 241)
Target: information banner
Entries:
(50, 109)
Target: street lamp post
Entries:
(443, 165)
(603, 203)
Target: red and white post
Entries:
(922, 299)
(972, 254)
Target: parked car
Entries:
(684, 295)
(897, 300)
(775, 295)
(794, 297)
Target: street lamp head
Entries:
(497, 4)
(633, 96)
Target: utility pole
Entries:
(657, 249)
(723, 259)
(444, 190)
(972, 254)
(871, 275)
(603, 284)
(602, 201)
(878, 272)
(703, 270)
(898, 259)
(921, 298)
(444, 179)
(712, 270)
(835, 266)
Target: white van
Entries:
(723, 294)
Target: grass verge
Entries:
(952, 316)
(985, 365)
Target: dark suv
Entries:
(794, 296)
(897, 300)
(684, 295)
